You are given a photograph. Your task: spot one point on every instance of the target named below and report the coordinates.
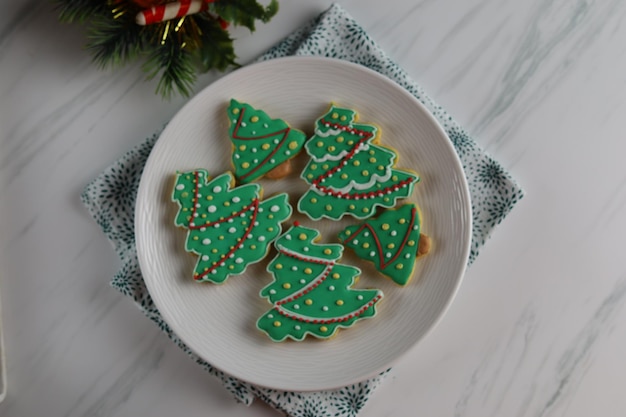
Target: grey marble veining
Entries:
(538, 327)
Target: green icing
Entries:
(228, 229)
(260, 143)
(348, 173)
(389, 241)
(310, 292)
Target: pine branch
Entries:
(244, 12)
(215, 49)
(115, 41)
(175, 64)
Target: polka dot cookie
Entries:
(311, 293)
(262, 146)
(227, 228)
(392, 242)
(348, 172)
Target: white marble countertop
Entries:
(538, 327)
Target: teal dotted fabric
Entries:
(111, 197)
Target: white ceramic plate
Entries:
(218, 322)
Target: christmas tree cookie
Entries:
(262, 146)
(392, 242)
(348, 172)
(312, 293)
(227, 228)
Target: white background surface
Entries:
(538, 327)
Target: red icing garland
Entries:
(333, 320)
(381, 254)
(279, 145)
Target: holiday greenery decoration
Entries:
(312, 293)
(261, 145)
(348, 172)
(391, 241)
(227, 229)
(177, 39)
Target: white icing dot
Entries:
(302, 281)
(356, 241)
(394, 233)
(237, 156)
(274, 209)
(203, 229)
(254, 132)
(359, 297)
(254, 150)
(243, 124)
(296, 306)
(388, 255)
(296, 327)
(372, 253)
(270, 316)
(294, 268)
(242, 215)
(276, 140)
(407, 256)
(331, 288)
(206, 241)
(415, 227)
(260, 209)
(231, 256)
(256, 161)
(272, 161)
(287, 152)
(212, 209)
(230, 220)
(205, 258)
(232, 230)
(261, 238)
(366, 234)
(288, 237)
(272, 292)
(195, 215)
(306, 248)
(214, 272)
(325, 308)
(217, 189)
(256, 223)
(236, 199)
(265, 125)
(216, 225)
(180, 187)
(239, 260)
(250, 236)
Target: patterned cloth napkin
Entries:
(110, 199)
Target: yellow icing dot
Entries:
(365, 210)
(196, 238)
(278, 266)
(313, 166)
(319, 144)
(209, 197)
(327, 251)
(335, 115)
(308, 271)
(381, 168)
(242, 147)
(203, 215)
(356, 163)
(276, 323)
(350, 142)
(270, 216)
(214, 250)
(302, 236)
(286, 285)
(325, 166)
(399, 266)
(339, 302)
(308, 301)
(188, 177)
(226, 203)
(351, 206)
(235, 110)
(328, 207)
(373, 160)
(386, 199)
(221, 237)
(313, 200)
(265, 146)
(245, 165)
(348, 232)
(394, 178)
(339, 139)
(344, 176)
(323, 329)
(372, 152)
(411, 243)
(365, 172)
(366, 245)
(331, 148)
(402, 221)
(391, 246)
(231, 266)
(309, 176)
(254, 119)
(293, 145)
(185, 209)
(385, 226)
(185, 194)
(343, 118)
(336, 276)
(253, 247)
(270, 229)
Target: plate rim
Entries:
(463, 190)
